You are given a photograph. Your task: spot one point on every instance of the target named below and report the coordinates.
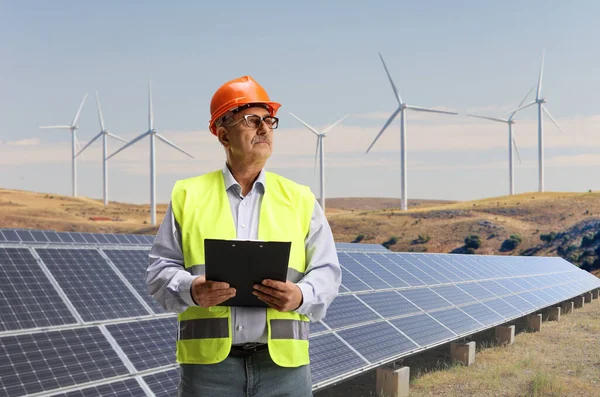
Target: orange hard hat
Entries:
(235, 93)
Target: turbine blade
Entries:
(56, 127)
(522, 102)
(488, 118)
(306, 125)
(512, 112)
(517, 149)
(99, 112)
(76, 118)
(539, 86)
(336, 123)
(89, 143)
(552, 118)
(110, 134)
(386, 125)
(150, 111)
(421, 109)
(165, 140)
(140, 137)
(398, 97)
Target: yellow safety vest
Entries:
(201, 208)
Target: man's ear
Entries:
(222, 135)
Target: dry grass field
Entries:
(444, 224)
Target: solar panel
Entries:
(27, 297)
(52, 237)
(163, 384)
(355, 247)
(133, 264)
(390, 305)
(148, 344)
(423, 329)
(34, 363)
(126, 388)
(91, 285)
(325, 365)
(377, 342)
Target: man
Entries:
(235, 351)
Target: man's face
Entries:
(246, 143)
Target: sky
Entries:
(320, 60)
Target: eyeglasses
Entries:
(254, 121)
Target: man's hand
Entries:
(283, 297)
(210, 293)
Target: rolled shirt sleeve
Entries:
(323, 276)
(166, 278)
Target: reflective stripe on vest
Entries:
(201, 208)
(205, 328)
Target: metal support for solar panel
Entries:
(125, 281)
(56, 286)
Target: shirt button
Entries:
(311, 314)
(243, 203)
(239, 328)
(243, 225)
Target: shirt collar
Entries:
(230, 180)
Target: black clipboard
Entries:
(243, 263)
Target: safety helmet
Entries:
(235, 94)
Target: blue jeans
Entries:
(254, 376)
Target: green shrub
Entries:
(509, 244)
(587, 239)
(392, 240)
(588, 263)
(473, 241)
(469, 250)
(422, 239)
(358, 238)
(548, 237)
(516, 237)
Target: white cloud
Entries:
(24, 142)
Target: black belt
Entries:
(247, 349)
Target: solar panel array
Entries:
(76, 320)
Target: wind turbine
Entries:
(512, 144)
(540, 102)
(104, 133)
(402, 106)
(319, 152)
(152, 133)
(73, 127)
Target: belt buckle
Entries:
(251, 347)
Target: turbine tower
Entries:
(541, 108)
(512, 143)
(73, 127)
(104, 133)
(402, 106)
(152, 133)
(319, 153)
